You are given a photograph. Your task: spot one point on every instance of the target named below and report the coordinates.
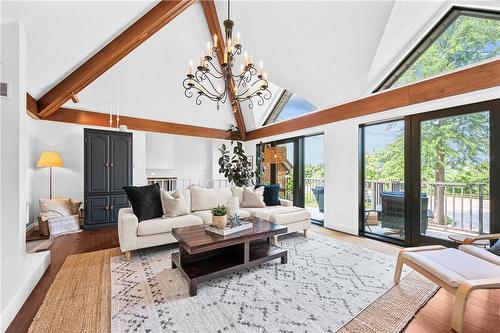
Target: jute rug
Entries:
(79, 300)
(326, 283)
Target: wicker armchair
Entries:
(392, 215)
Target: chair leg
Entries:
(306, 232)
(399, 268)
(457, 317)
(128, 255)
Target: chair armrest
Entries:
(423, 248)
(287, 203)
(127, 229)
(471, 240)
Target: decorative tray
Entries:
(228, 231)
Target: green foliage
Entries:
(219, 211)
(468, 40)
(314, 170)
(454, 149)
(235, 168)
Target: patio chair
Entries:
(457, 271)
(392, 215)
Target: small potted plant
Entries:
(219, 217)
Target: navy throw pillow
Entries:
(271, 194)
(145, 201)
(495, 249)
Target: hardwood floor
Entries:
(483, 309)
(62, 247)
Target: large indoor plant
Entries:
(236, 167)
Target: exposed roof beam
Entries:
(460, 82)
(82, 117)
(31, 107)
(214, 27)
(114, 51)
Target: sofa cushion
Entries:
(291, 217)
(160, 225)
(271, 210)
(203, 199)
(173, 204)
(271, 194)
(145, 201)
(206, 215)
(495, 249)
(480, 253)
(253, 197)
(453, 266)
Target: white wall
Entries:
(67, 139)
(19, 273)
(341, 155)
(182, 156)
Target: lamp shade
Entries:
(50, 159)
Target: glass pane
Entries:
(455, 176)
(282, 157)
(384, 209)
(314, 174)
(468, 40)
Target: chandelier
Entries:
(209, 81)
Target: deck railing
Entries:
(465, 205)
(172, 183)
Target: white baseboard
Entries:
(19, 278)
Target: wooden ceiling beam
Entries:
(471, 79)
(214, 28)
(109, 55)
(32, 107)
(91, 118)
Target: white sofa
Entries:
(135, 235)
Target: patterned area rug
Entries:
(324, 285)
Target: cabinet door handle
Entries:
(111, 208)
(111, 165)
(106, 165)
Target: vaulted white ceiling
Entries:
(325, 51)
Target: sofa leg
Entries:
(274, 240)
(128, 255)
(306, 233)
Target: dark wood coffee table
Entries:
(204, 255)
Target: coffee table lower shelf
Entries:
(212, 264)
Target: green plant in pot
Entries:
(236, 168)
(219, 217)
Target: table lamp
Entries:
(50, 159)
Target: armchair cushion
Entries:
(453, 266)
(495, 249)
(253, 198)
(480, 253)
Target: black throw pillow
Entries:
(145, 200)
(495, 249)
(271, 194)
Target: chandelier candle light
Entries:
(248, 84)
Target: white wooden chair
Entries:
(459, 272)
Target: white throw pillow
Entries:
(51, 208)
(63, 225)
(203, 199)
(253, 198)
(173, 204)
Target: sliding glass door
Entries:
(456, 163)
(383, 182)
(297, 165)
(432, 178)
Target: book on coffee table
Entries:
(228, 231)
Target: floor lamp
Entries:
(50, 159)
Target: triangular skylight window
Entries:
(289, 106)
(463, 37)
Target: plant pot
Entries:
(219, 221)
